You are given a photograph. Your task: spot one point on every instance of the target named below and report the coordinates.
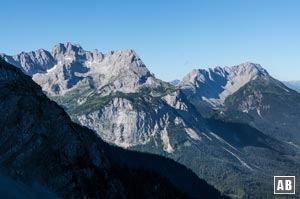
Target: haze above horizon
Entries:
(171, 37)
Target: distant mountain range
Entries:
(295, 85)
(175, 82)
(236, 127)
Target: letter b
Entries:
(288, 185)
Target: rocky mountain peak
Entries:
(98, 56)
(213, 85)
(68, 66)
(127, 57)
(247, 68)
(68, 46)
(32, 62)
(69, 51)
(244, 69)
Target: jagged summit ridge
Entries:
(68, 67)
(31, 62)
(245, 69)
(61, 53)
(214, 85)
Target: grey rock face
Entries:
(126, 124)
(213, 86)
(120, 123)
(69, 66)
(32, 62)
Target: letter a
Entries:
(280, 185)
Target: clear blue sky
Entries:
(171, 37)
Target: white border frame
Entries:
(285, 193)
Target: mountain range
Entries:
(45, 155)
(235, 127)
